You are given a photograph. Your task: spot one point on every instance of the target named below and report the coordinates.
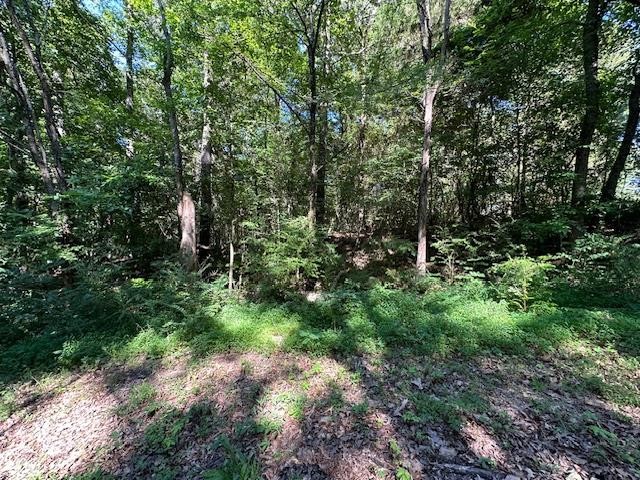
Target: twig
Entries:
(469, 470)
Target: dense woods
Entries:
(332, 177)
(369, 118)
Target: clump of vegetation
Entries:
(292, 258)
(599, 263)
(236, 465)
(522, 281)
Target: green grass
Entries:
(51, 328)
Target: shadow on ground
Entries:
(290, 416)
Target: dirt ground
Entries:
(298, 417)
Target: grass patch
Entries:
(158, 317)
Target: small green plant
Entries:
(7, 404)
(163, 434)
(451, 252)
(293, 256)
(360, 409)
(487, 463)
(140, 395)
(237, 465)
(403, 474)
(395, 449)
(522, 281)
(269, 426)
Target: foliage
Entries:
(106, 317)
(293, 257)
(237, 466)
(522, 281)
(452, 252)
(600, 263)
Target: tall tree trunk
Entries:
(631, 127)
(432, 84)
(321, 207)
(28, 118)
(312, 32)
(186, 207)
(15, 196)
(311, 134)
(206, 160)
(425, 171)
(590, 42)
(51, 124)
(129, 52)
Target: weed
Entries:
(7, 404)
(403, 474)
(163, 434)
(141, 394)
(395, 449)
(487, 463)
(237, 465)
(360, 409)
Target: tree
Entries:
(434, 72)
(630, 130)
(206, 160)
(310, 21)
(51, 123)
(590, 57)
(186, 206)
(28, 116)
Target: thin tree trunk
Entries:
(631, 127)
(232, 220)
(51, 124)
(593, 20)
(232, 253)
(206, 160)
(128, 103)
(186, 207)
(322, 166)
(313, 146)
(433, 77)
(28, 118)
(312, 31)
(425, 171)
(15, 196)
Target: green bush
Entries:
(294, 257)
(452, 254)
(522, 281)
(600, 263)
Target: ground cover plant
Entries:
(319, 239)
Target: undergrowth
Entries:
(104, 316)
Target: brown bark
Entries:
(631, 127)
(206, 160)
(51, 122)
(425, 173)
(311, 136)
(28, 118)
(128, 102)
(186, 207)
(590, 44)
(187, 216)
(322, 166)
(432, 84)
(312, 28)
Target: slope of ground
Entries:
(291, 416)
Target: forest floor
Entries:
(295, 416)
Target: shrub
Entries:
(600, 263)
(522, 281)
(294, 256)
(452, 252)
